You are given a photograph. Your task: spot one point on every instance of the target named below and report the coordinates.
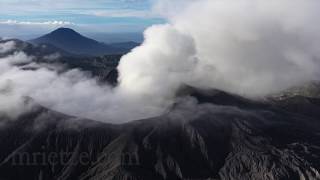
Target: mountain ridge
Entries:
(75, 43)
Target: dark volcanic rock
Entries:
(220, 137)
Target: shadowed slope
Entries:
(220, 137)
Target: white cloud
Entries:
(15, 22)
(121, 13)
(72, 92)
(248, 47)
(7, 46)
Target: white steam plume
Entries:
(73, 92)
(249, 47)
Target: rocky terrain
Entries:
(214, 135)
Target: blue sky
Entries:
(22, 17)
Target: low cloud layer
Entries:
(55, 23)
(7, 46)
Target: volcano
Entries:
(222, 137)
(75, 43)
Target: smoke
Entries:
(248, 47)
(72, 92)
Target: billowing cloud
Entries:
(252, 48)
(248, 47)
(72, 92)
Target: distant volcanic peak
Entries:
(73, 42)
(66, 33)
(63, 30)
